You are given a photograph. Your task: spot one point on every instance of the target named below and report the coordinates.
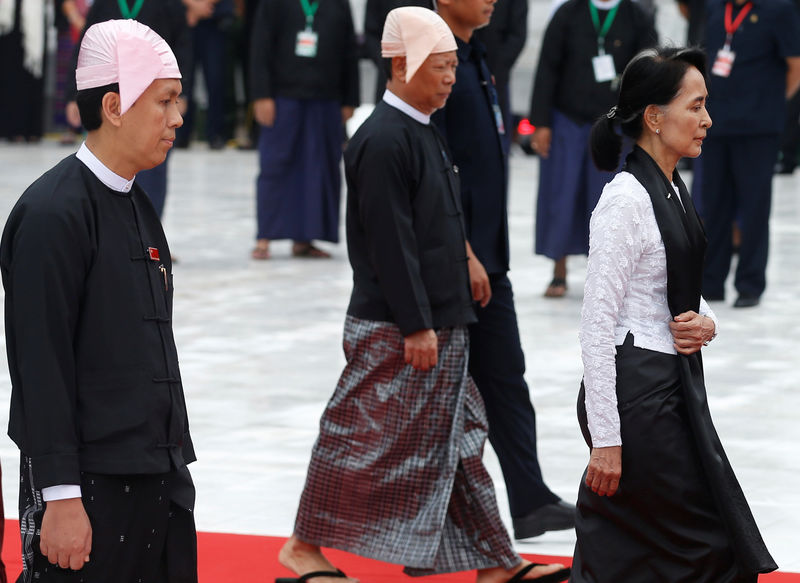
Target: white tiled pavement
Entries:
(260, 348)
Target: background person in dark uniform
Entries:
(585, 48)
(748, 105)
(97, 404)
(473, 126)
(790, 140)
(210, 49)
(694, 11)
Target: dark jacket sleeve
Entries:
(385, 212)
(548, 71)
(513, 36)
(350, 81)
(261, 45)
(374, 17)
(180, 40)
(46, 256)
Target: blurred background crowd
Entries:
(240, 63)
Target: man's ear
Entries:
(399, 69)
(112, 108)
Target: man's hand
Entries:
(197, 10)
(541, 140)
(66, 536)
(690, 331)
(478, 279)
(605, 470)
(264, 111)
(422, 349)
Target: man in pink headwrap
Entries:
(97, 405)
(396, 473)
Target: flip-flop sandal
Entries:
(303, 578)
(557, 577)
(557, 288)
(311, 252)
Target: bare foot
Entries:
(500, 575)
(301, 558)
(261, 250)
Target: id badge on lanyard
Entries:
(306, 45)
(307, 40)
(603, 64)
(604, 69)
(723, 64)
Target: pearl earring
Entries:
(658, 130)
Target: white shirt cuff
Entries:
(61, 492)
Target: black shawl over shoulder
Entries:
(685, 244)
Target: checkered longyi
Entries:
(396, 473)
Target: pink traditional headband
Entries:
(414, 32)
(125, 52)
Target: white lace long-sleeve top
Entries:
(625, 291)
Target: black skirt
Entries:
(679, 514)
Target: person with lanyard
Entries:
(168, 19)
(659, 500)
(304, 78)
(585, 46)
(754, 54)
(396, 473)
(473, 126)
(97, 404)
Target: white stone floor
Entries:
(260, 353)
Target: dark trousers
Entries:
(497, 366)
(138, 533)
(737, 186)
(790, 141)
(154, 183)
(210, 53)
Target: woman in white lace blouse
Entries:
(659, 500)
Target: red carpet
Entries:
(232, 558)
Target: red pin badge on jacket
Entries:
(153, 253)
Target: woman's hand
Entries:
(690, 331)
(605, 470)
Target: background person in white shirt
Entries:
(659, 500)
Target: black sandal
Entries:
(557, 577)
(303, 578)
(557, 288)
